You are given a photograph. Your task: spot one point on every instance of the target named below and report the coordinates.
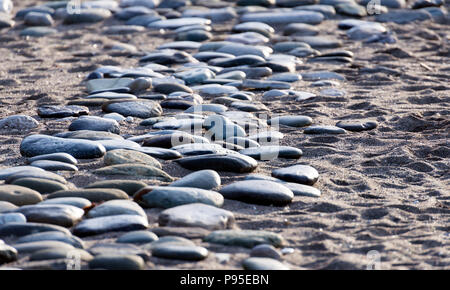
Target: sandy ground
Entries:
(385, 190)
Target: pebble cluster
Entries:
(203, 104)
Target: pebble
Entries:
(33, 247)
(167, 197)
(53, 236)
(94, 123)
(43, 186)
(19, 195)
(128, 186)
(117, 262)
(18, 122)
(403, 16)
(220, 162)
(61, 215)
(61, 253)
(100, 225)
(197, 215)
(123, 156)
(357, 127)
(6, 206)
(89, 135)
(168, 88)
(265, 251)
(303, 174)
(12, 217)
(244, 238)
(79, 202)
(258, 192)
(272, 152)
(291, 121)
(23, 229)
(103, 248)
(87, 15)
(137, 170)
(243, 142)
(38, 19)
(91, 194)
(35, 174)
(61, 157)
(116, 207)
(34, 145)
(263, 264)
(324, 130)
(137, 237)
(294, 16)
(180, 252)
(204, 179)
(185, 232)
(51, 165)
(38, 31)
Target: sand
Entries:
(385, 190)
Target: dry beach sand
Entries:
(384, 190)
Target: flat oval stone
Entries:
(167, 197)
(106, 224)
(138, 109)
(184, 232)
(23, 229)
(12, 217)
(57, 214)
(180, 22)
(303, 174)
(128, 186)
(32, 247)
(198, 149)
(204, 179)
(41, 144)
(197, 215)
(6, 206)
(258, 192)
(357, 127)
(162, 153)
(87, 15)
(180, 252)
(243, 142)
(265, 251)
(232, 162)
(54, 111)
(52, 236)
(61, 253)
(265, 85)
(324, 130)
(292, 121)
(116, 207)
(272, 152)
(263, 264)
(293, 16)
(94, 123)
(117, 262)
(140, 170)
(18, 122)
(168, 88)
(118, 248)
(244, 238)
(89, 135)
(51, 165)
(122, 156)
(137, 237)
(74, 201)
(35, 174)
(168, 140)
(38, 31)
(92, 194)
(61, 157)
(19, 195)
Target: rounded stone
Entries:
(117, 262)
(262, 264)
(258, 192)
(204, 179)
(128, 186)
(19, 195)
(123, 156)
(43, 186)
(138, 237)
(303, 174)
(116, 207)
(92, 194)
